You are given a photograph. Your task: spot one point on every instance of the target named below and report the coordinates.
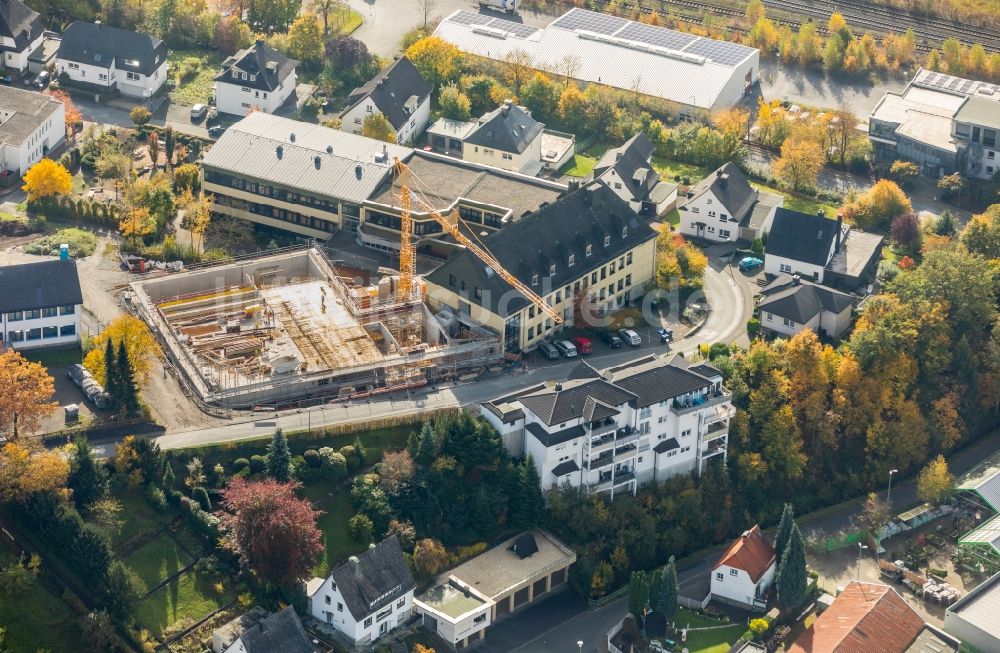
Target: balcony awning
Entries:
(667, 445)
(564, 468)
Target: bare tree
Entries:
(570, 66)
(428, 7)
(516, 68)
(323, 9)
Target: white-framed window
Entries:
(253, 78)
(572, 260)
(719, 576)
(236, 74)
(770, 317)
(102, 76)
(734, 572)
(534, 280)
(784, 267)
(131, 62)
(590, 250)
(552, 270)
(328, 599)
(340, 607)
(368, 622)
(607, 241)
(73, 66)
(243, 76)
(508, 156)
(711, 214)
(245, 89)
(624, 232)
(695, 209)
(132, 76)
(711, 230)
(723, 233)
(787, 322)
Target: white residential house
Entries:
(821, 249)
(400, 94)
(628, 171)
(31, 126)
(790, 304)
(258, 77)
(40, 305)
(745, 572)
(101, 58)
(260, 632)
(21, 33)
(508, 138)
(367, 596)
(615, 429)
(723, 208)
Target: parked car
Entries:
(629, 336)
(750, 263)
(583, 345)
(199, 111)
(216, 130)
(41, 80)
(6, 80)
(611, 340)
(666, 335)
(566, 348)
(548, 350)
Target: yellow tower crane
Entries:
(407, 259)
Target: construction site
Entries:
(276, 329)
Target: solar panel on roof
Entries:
(665, 38)
(518, 30)
(721, 52)
(591, 21)
(469, 18)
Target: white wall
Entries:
(19, 60)
(498, 159)
(455, 630)
(342, 620)
(733, 92)
(773, 265)
(706, 208)
(144, 86)
(736, 584)
(354, 120)
(236, 99)
(46, 137)
(27, 324)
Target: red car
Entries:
(582, 345)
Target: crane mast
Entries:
(407, 259)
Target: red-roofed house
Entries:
(745, 571)
(871, 618)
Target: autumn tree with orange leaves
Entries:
(27, 394)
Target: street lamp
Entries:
(888, 492)
(579, 645)
(861, 547)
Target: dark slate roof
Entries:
(19, 22)
(706, 370)
(281, 632)
(524, 546)
(268, 66)
(631, 162)
(531, 245)
(659, 381)
(667, 445)
(382, 572)
(552, 439)
(568, 402)
(508, 128)
(801, 301)
(801, 236)
(730, 187)
(45, 284)
(595, 410)
(391, 91)
(583, 370)
(566, 467)
(103, 45)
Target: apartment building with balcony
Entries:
(612, 430)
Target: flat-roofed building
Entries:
(975, 618)
(694, 74)
(464, 601)
(31, 126)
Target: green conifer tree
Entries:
(784, 530)
(279, 459)
(791, 581)
(111, 385)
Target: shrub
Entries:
(175, 497)
(312, 458)
(757, 246)
(240, 464)
(156, 498)
(351, 456)
(940, 573)
(753, 327)
(257, 464)
(333, 464)
(360, 527)
(188, 69)
(200, 495)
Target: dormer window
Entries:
(253, 78)
(131, 62)
(624, 232)
(236, 74)
(590, 250)
(244, 75)
(552, 270)
(607, 241)
(534, 280)
(572, 260)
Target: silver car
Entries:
(199, 111)
(566, 348)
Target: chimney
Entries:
(573, 185)
(259, 43)
(840, 225)
(821, 213)
(558, 387)
(795, 279)
(723, 179)
(355, 566)
(718, 173)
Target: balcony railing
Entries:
(618, 436)
(700, 403)
(714, 447)
(716, 430)
(603, 460)
(625, 453)
(621, 478)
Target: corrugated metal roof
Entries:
(984, 480)
(979, 607)
(305, 156)
(612, 60)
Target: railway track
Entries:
(930, 32)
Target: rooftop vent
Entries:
(316, 161)
(329, 149)
(279, 151)
(357, 170)
(291, 137)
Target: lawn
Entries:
(157, 560)
(345, 21)
(187, 598)
(580, 166)
(38, 618)
(717, 640)
(799, 203)
(670, 168)
(200, 86)
(337, 542)
(8, 217)
(62, 357)
(673, 217)
(81, 243)
(140, 517)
